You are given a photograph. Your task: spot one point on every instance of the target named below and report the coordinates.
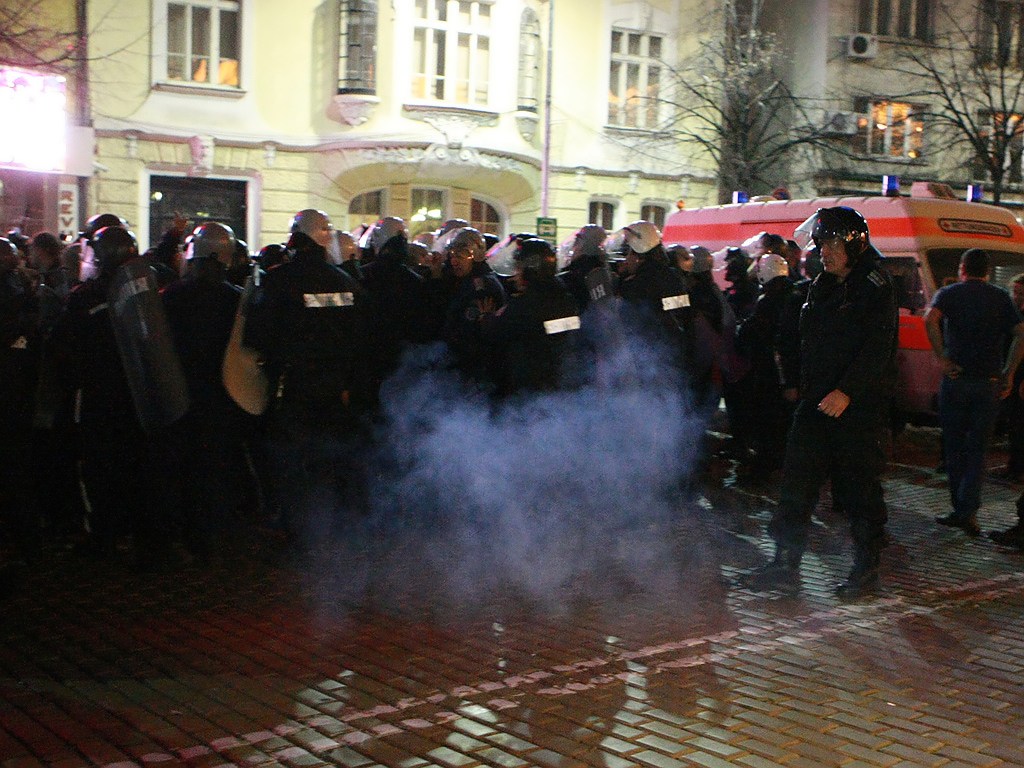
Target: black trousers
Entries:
(850, 450)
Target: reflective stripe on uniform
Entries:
(561, 325)
(675, 302)
(321, 300)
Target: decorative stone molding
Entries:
(581, 178)
(131, 148)
(527, 122)
(269, 154)
(352, 109)
(455, 123)
(440, 153)
(201, 149)
(634, 181)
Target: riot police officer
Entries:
(587, 277)
(848, 333)
(309, 321)
(466, 288)
(536, 331)
(201, 310)
(115, 460)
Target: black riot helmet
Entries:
(537, 259)
(101, 220)
(842, 223)
(112, 247)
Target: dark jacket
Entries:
(534, 335)
(201, 312)
(848, 334)
(310, 321)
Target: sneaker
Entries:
(967, 524)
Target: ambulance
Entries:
(921, 237)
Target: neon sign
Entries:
(33, 131)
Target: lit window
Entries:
(203, 42)
(634, 82)
(891, 128)
(653, 213)
(1001, 33)
(909, 19)
(529, 61)
(365, 208)
(602, 213)
(357, 47)
(428, 210)
(484, 217)
(451, 51)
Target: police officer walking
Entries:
(848, 334)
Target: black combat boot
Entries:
(863, 577)
(782, 573)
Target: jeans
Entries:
(967, 412)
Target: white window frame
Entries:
(991, 32)
(620, 62)
(450, 30)
(615, 204)
(530, 52)
(159, 70)
(253, 202)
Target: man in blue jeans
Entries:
(968, 325)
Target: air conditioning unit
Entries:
(861, 46)
(841, 123)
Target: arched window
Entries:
(484, 217)
(357, 46)
(602, 212)
(365, 208)
(529, 61)
(654, 213)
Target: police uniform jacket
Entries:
(534, 334)
(848, 332)
(658, 295)
(201, 312)
(309, 321)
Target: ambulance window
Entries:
(906, 275)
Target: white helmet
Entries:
(588, 240)
(770, 266)
(374, 238)
(642, 236)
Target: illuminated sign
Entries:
(33, 131)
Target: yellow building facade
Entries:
(250, 110)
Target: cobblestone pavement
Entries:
(385, 660)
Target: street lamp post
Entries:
(545, 162)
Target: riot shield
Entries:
(151, 365)
(241, 373)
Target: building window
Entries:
(890, 128)
(653, 213)
(357, 47)
(602, 213)
(484, 216)
(909, 19)
(529, 61)
(1001, 33)
(1011, 133)
(634, 79)
(365, 208)
(428, 210)
(203, 41)
(452, 51)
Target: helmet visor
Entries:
(804, 234)
(501, 257)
